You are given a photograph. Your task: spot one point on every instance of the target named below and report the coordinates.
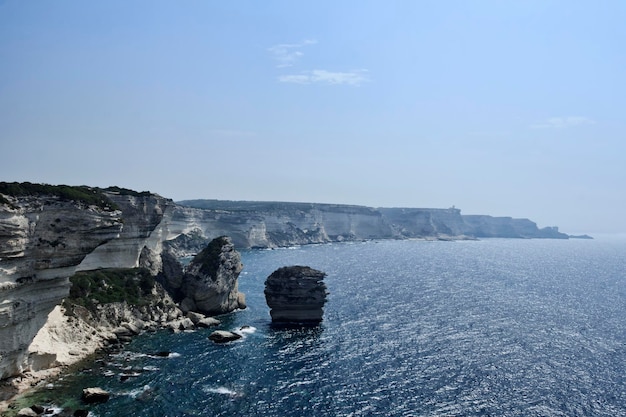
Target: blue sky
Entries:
(497, 107)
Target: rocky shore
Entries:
(106, 308)
(71, 336)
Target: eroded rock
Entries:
(209, 285)
(296, 294)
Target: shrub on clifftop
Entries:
(83, 194)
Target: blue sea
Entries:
(494, 327)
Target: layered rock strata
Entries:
(274, 224)
(139, 242)
(46, 238)
(270, 225)
(296, 294)
(42, 240)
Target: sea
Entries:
(493, 327)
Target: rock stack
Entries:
(296, 294)
(209, 284)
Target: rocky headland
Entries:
(296, 295)
(50, 237)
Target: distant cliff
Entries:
(488, 226)
(274, 224)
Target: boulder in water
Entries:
(26, 412)
(208, 322)
(223, 336)
(95, 395)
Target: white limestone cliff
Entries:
(45, 239)
(140, 241)
(270, 225)
(42, 240)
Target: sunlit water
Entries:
(412, 328)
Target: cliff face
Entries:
(70, 336)
(42, 240)
(140, 240)
(416, 222)
(45, 239)
(269, 225)
(507, 227)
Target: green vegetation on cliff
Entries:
(83, 194)
(104, 286)
(126, 191)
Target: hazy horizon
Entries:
(500, 108)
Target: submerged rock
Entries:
(223, 336)
(296, 294)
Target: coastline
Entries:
(75, 340)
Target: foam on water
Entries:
(135, 393)
(247, 330)
(221, 391)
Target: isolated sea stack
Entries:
(296, 294)
(209, 285)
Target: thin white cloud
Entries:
(563, 122)
(354, 78)
(286, 54)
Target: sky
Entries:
(506, 108)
